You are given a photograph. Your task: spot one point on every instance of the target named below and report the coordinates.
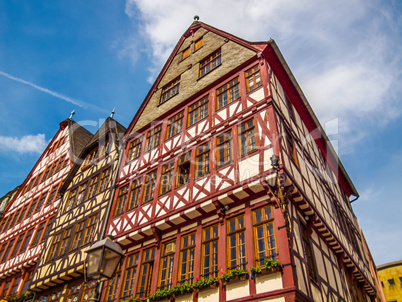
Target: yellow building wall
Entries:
(387, 273)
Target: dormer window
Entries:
(170, 90)
(210, 62)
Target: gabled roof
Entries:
(255, 47)
(78, 137)
(109, 126)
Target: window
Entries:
(210, 63)
(175, 125)
(224, 149)
(103, 183)
(236, 243)
(91, 157)
(253, 79)
(183, 169)
(8, 250)
(312, 270)
(52, 195)
(246, 137)
(80, 195)
(89, 288)
(121, 201)
(90, 230)
(54, 247)
(264, 237)
(197, 111)
(209, 260)
(167, 261)
(186, 53)
(27, 282)
(105, 148)
(93, 185)
(202, 160)
(17, 246)
(147, 264)
(391, 282)
(79, 232)
(134, 150)
(187, 252)
(170, 90)
(149, 186)
(24, 209)
(290, 109)
(6, 287)
(153, 138)
(2, 248)
(113, 285)
(64, 241)
(73, 293)
(291, 148)
(134, 194)
(166, 178)
(129, 275)
(26, 241)
(198, 44)
(71, 199)
(227, 93)
(38, 235)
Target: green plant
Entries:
(132, 299)
(204, 282)
(234, 272)
(269, 263)
(163, 294)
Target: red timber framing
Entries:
(215, 172)
(81, 219)
(28, 215)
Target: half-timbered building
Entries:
(27, 216)
(81, 218)
(197, 196)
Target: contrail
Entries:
(57, 95)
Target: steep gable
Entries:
(233, 52)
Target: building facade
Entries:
(27, 216)
(391, 280)
(81, 219)
(201, 212)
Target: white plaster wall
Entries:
(210, 295)
(185, 298)
(268, 283)
(281, 299)
(237, 290)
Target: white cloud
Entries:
(26, 144)
(344, 53)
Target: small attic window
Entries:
(186, 53)
(170, 90)
(210, 62)
(199, 43)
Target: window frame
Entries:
(226, 144)
(78, 235)
(145, 273)
(198, 111)
(240, 247)
(165, 279)
(210, 241)
(90, 229)
(197, 43)
(251, 74)
(175, 125)
(185, 53)
(183, 161)
(187, 258)
(170, 90)
(130, 272)
(134, 150)
(247, 138)
(210, 63)
(136, 187)
(264, 222)
(153, 138)
(149, 186)
(202, 159)
(228, 93)
(166, 180)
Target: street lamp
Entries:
(103, 258)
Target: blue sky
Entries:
(93, 56)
